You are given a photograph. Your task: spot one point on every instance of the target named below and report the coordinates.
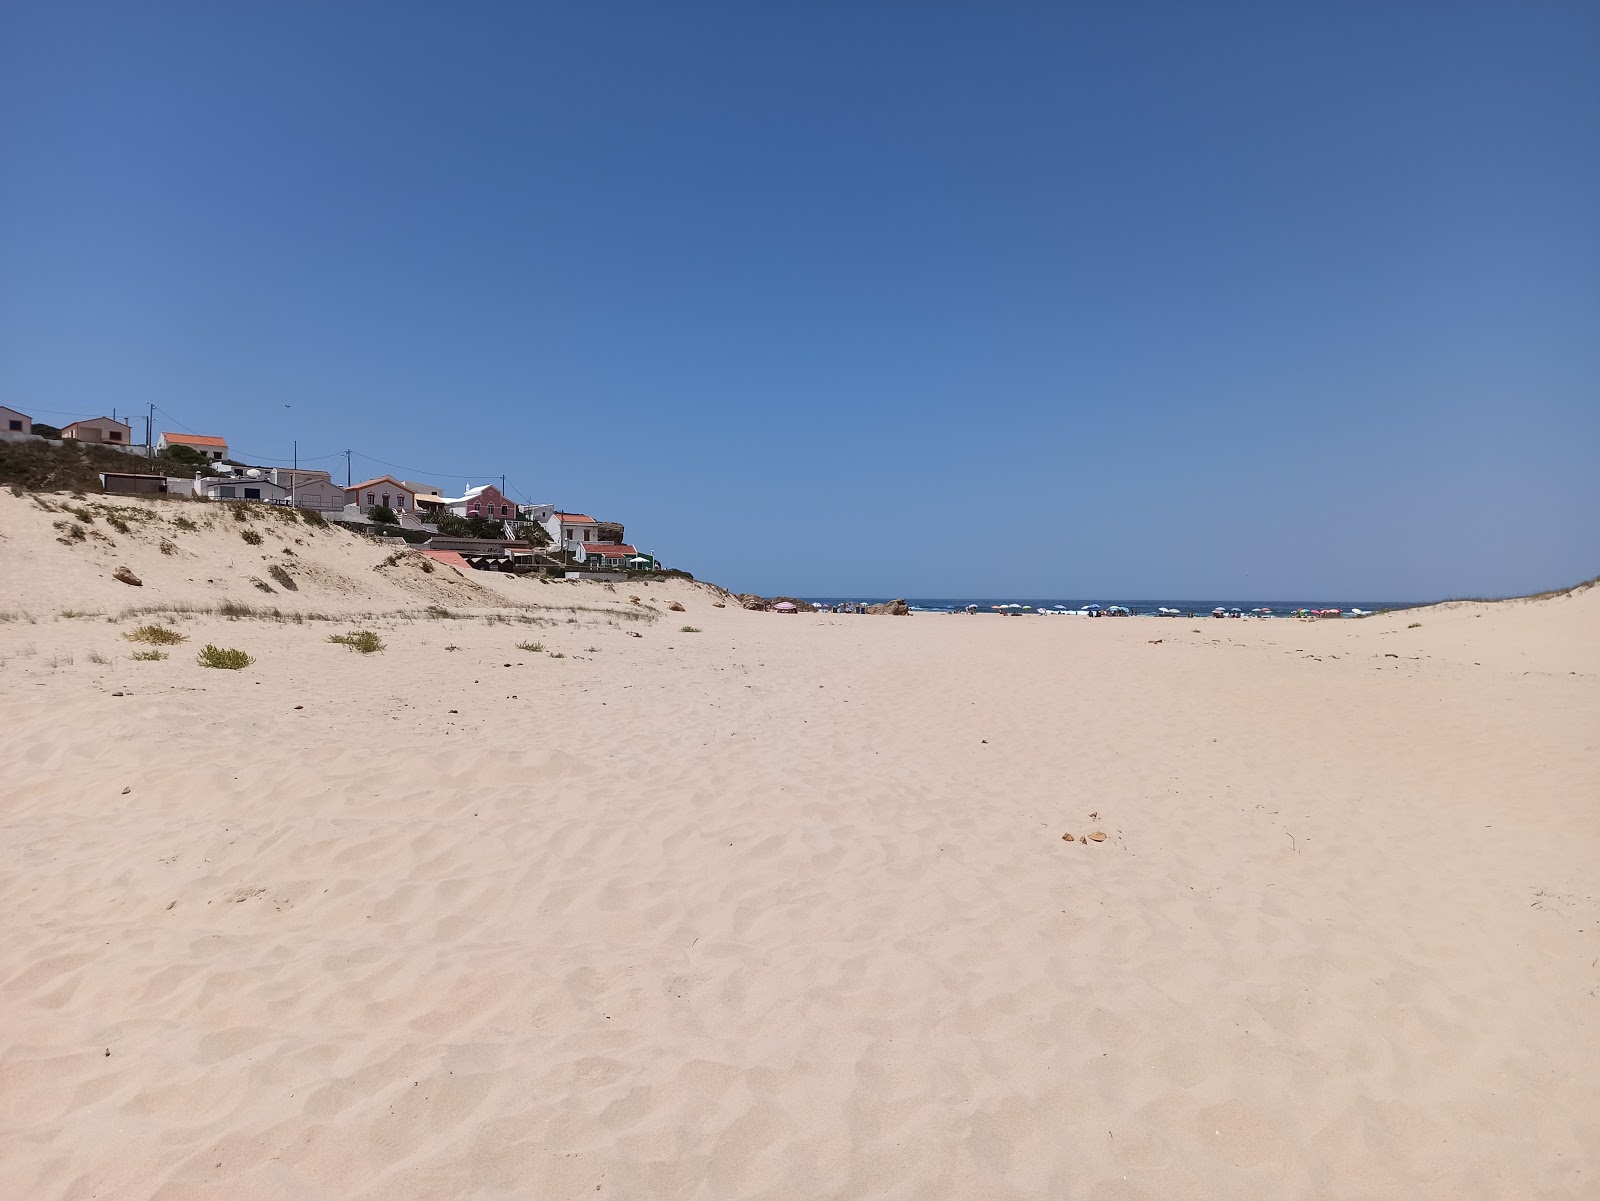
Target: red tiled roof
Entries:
(576, 519)
(382, 479)
(609, 550)
(194, 440)
(450, 558)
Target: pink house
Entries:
(483, 501)
(98, 429)
(386, 491)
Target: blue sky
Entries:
(921, 299)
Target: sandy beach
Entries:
(781, 907)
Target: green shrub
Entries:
(241, 511)
(453, 525)
(364, 641)
(383, 515)
(183, 523)
(1416, 625)
(313, 518)
(533, 648)
(148, 656)
(229, 660)
(250, 536)
(283, 577)
(688, 629)
(156, 636)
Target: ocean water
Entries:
(1142, 606)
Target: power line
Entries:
(438, 475)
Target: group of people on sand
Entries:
(844, 607)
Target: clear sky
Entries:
(1104, 299)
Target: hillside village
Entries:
(483, 528)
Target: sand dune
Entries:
(781, 908)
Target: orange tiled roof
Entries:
(195, 440)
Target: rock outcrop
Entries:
(894, 608)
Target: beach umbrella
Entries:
(1091, 606)
(784, 607)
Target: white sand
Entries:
(781, 909)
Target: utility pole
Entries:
(502, 485)
(347, 470)
(150, 432)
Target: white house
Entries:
(567, 528)
(249, 485)
(308, 489)
(213, 448)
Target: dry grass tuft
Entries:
(156, 636)
(362, 641)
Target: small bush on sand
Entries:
(241, 512)
(283, 577)
(438, 612)
(1416, 625)
(168, 548)
(557, 655)
(183, 523)
(69, 533)
(250, 536)
(688, 629)
(364, 641)
(312, 518)
(148, 656)
(98, 658)
(533, 648)
(229, 660)
(156, 636)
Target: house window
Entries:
(400, 503)
(216, 454)
(252, 493)
(371, 499)
(226, 492)
(116, 435)
(386, 500)
(502, 510)
(16, 425)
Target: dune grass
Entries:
(227, 659)
(533, 648)
(148, 656)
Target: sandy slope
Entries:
(781, 909)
